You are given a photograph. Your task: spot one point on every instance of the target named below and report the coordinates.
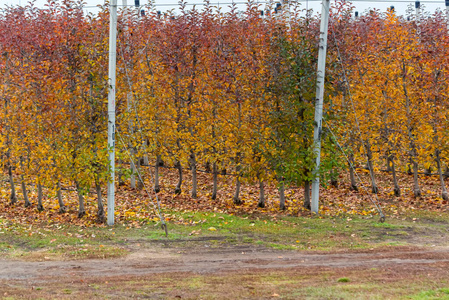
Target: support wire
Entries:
(134, 106)
(348, 88)
(158, 204)
(376, 203)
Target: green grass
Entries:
(432, 294)
(365, 291)
(307, 233)
(295, 232)
(193, 229)
(47, 242)
(428, 216)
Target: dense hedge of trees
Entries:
(225, 91)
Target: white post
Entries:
(124, 4)
(111, 108)
(418, 9)
(321, 70)
(447, 9)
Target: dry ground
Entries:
(233, 272)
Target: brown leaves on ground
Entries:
(134, 208)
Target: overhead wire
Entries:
(257, 2)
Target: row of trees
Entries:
(218, 90)
(396, 94)
(53, 91)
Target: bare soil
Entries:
(158, 272)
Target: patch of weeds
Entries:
(94, 286)
(281, 246)
(343, 279)
(335, 292)
(421, 216)
(325, 234)
(67, 291)
(247, 240)
(91, 251)
(5, 247)
(157, 235)
(70, 252)
(400, 233)
(386, 225)
(195, 283)
(231, 240)
(394, 244)
(432, 294)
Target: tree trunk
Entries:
(375, 189)
(100, 211)
(132, 150)
(133, 179)
(282, 195)
(369, 154)
(215, 181)
(261, 194)
(121, 182)
(334, 178)
(237, 200)
(146, 161)
(13, 196)
(428, 171)
(307, 195)
(194, 179)
(397, 189)
(351, 173)
(409, 169)
(178, 186)
(388, 164)
(140, 184)
(81, 210)
(157, 188)
(40, 207)
(25, 192)
(411, 136)
(62, 207)
(444, 194)
(416, 188)
(24, 188)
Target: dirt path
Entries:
(152, 261)
(231, 272)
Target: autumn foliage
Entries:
(227, 93)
